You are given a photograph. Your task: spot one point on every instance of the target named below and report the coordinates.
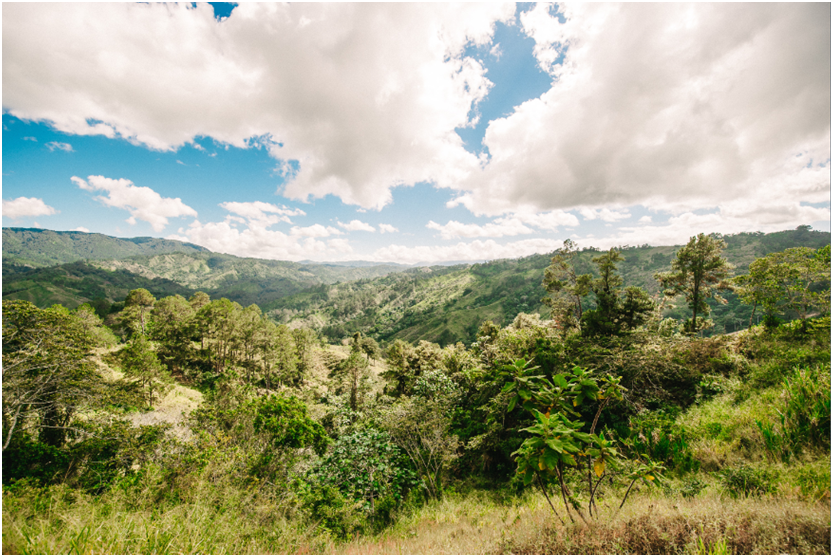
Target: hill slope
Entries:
(37, 247)
(447, 304)
(161, 266)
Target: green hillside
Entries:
(36, 247)
(151, 263)
(73, 284)
(447, 304)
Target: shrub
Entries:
(745, 481)
(659, 436)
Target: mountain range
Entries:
(441, 303)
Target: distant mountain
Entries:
(447, 304)
(354, 263)
(152, 263)
(36, 247)
(440, 303)
(72, 284)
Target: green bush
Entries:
(745, 481)
(659, 436)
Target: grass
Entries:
(724, 433)
(216, 520)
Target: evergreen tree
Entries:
(139, 361)
(698, 271)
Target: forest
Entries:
(605, 423)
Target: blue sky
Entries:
(415, 132)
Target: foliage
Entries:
(48, 375)
(366, 467)
(421, 427)
(614, 313)
(659, 436)
(804, 413)
(565, 287)
(698, 271)
(557, 442)
(135, 316)
(139, 361)
(286, 423)
(745, 481)
(797, 280)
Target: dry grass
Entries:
(647, 525)
(173, 409)
(668, 526)
(59, 521)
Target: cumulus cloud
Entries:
(466, 251)
(52, 145)
(512, 225)
(496, 229)
(605, 214)
(666, 105)
(81, 229)
(387, 228)
(315, 231)
(329, 85)
(261, 213)
(245, 232)
(141, 202)
(356, 225)
(26, 207)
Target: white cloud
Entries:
(645, 219)
(356, 225)
(605, 214)
(364, 96)
(257, 241)
(550, 220)
(497, 229)
(471, 251)
(387, 228)
(141, 202)
(81, 229)
(52, 145)
(30, 138)
(511, 225)
(26, 207)
(315, 231)
(245, 232)
(671, 106)
(264, 214)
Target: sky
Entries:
(415, 132)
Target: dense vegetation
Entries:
(113, 266)
(446, 305)
(35, 247)
(606, 429)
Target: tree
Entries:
(565, 288)
(405, 363)
(138, 360)
(698, 271)
(137, 307)
(614, 313)
(796, 279)
(421, 426)
(352, 377)
(216, 324)
(171, 325)
(279, 356)
(367, 467)
(48, 374)
(556, 442)
(305, 343)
